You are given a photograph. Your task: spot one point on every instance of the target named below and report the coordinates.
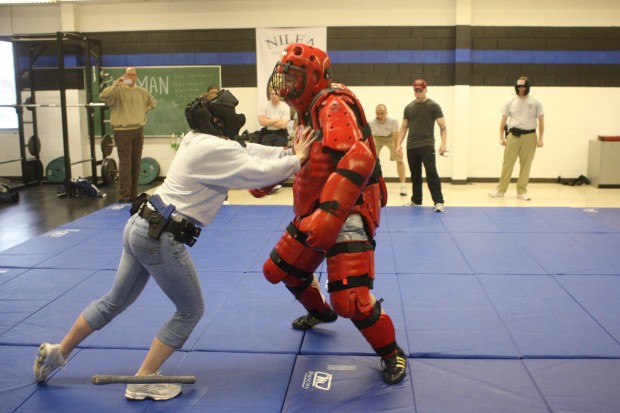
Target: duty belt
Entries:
(183, 231)
(518, 132)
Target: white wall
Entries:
(573, 115)
(49, 125)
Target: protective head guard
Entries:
(302, 72)
(216, 116)
(523, 81)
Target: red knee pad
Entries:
(352, 303)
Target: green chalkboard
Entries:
(173, 87)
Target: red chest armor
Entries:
(337, 115)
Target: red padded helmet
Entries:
(302, 72)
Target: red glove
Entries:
(261, 192)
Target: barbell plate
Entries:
(34, 145)
(107, 143)
(55, 171)
(29, 101)
(149, 171)
(109, 171)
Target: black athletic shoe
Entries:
(394, 367)
(306, 322)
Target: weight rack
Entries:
(31, 50)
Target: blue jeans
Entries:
(170, 265)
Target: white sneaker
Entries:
(49, 359)
(496, 194)
(403, 190)
(410, 204)
(438, 207)
(155, 391)
(524, 197)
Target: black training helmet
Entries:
(525, 82)
(216, 116)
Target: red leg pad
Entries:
(349, 264)
(357, 302)
(311, 298)
(294, 254)
(381, 333)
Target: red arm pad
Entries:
(338, 197)
(261, 192)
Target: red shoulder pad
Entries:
(339, 124)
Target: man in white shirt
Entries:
(520, 138)
(274, 117)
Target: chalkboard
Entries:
(173, 87)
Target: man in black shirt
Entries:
(419, 119)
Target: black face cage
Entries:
(287, 80)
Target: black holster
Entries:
(184, 231)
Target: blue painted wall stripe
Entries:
(477, 56)
(363, 56)
(546, 57)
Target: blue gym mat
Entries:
(545, 321)
(450, 316)
(475, 386)
(7, 274)
(345, 384)
(427, 253)
(610, 217)
(498, 309)
(495, 253)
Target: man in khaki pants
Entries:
(520, 138)
(128, 103)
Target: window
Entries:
(8, 116)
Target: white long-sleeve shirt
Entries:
(205, 166)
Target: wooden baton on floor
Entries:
(110, 379)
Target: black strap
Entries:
(386, 350)
(344, 247)
(350, 282)
(296, 291)
(372, 318)
(288, 268)
(352, 176)
(296, 234)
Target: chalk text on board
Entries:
(156, 85)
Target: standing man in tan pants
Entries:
(520, 137)
(128, 103)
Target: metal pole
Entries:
(90, 112)
(20, 112)
(63, 103)
(53, 105)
